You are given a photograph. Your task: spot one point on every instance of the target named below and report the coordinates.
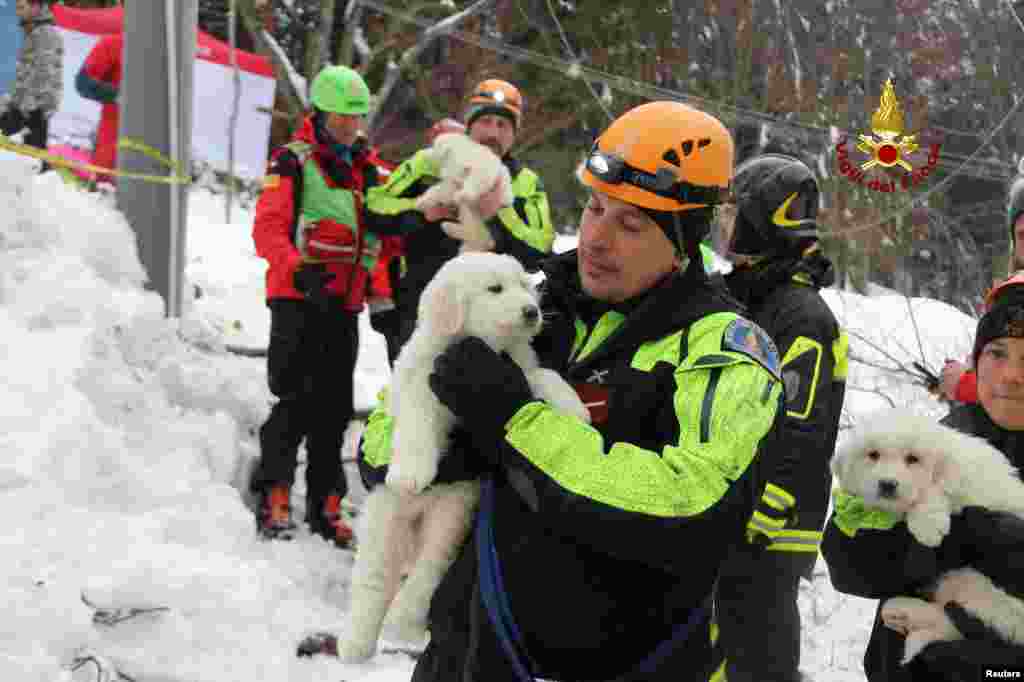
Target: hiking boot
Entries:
(275, 515)
(332, 523)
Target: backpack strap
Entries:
(301, 151)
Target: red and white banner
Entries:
(213, 92)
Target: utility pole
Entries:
(156, 111)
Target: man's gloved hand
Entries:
(481, 387)
(385, 321)
(311, 281)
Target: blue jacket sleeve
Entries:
(96, 90)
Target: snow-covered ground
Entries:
(125, 437)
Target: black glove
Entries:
(385, 322)
(311, 281)
(12, 121)
(966, 660)
(969, 626)
(480, 386)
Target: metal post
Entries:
(156, 110)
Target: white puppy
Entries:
(468, 170)
(924, 622)
(475, 294)
(910, 465)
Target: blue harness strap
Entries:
(499, 608)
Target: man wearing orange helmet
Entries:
(493, 117)
(597, 545)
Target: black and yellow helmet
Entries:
(776, 205)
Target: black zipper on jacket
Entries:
(705, 407)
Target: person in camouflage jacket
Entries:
(39, 80)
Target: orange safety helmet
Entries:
(494, 96)
(663, 156)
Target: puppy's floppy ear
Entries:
(841, 462)
(946, 470)
(443, 308)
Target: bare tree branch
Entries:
(409, 57)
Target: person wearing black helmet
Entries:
(778, 269)
(959, 379)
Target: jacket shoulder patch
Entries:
(746, 337)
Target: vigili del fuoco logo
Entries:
(888, 147)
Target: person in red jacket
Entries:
(311, 228)
(99, 79)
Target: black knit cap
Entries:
(693, 226)
(1004, 319)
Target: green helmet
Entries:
(340, 90)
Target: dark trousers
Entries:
(310, 363)
(13, 121)
(757, 614)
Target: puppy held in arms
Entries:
(474, 180)
(475, 294)
(923, 471)
(923, 622)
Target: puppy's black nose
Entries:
(531, 313)
(887, 488)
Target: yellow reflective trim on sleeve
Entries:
(719, 674)
(537, 231)
(796, 541)
(386, 199)
(777, 497)
(840, 351)
(801, 346)
(378, 433)
(713, 631)
(766, 524)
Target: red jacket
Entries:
(104, 64)
(276, 213)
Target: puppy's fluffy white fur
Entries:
(915, 467)
(468, 170)
(924, 622)
(923, 471)
(475, 294)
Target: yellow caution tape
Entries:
(134, 145)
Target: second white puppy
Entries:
(468, 170)
(475, 294)
(924, 622)
(910, 465)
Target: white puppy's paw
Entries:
(928, 527)
(356, 649)
(411, 475)
(551, 388)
